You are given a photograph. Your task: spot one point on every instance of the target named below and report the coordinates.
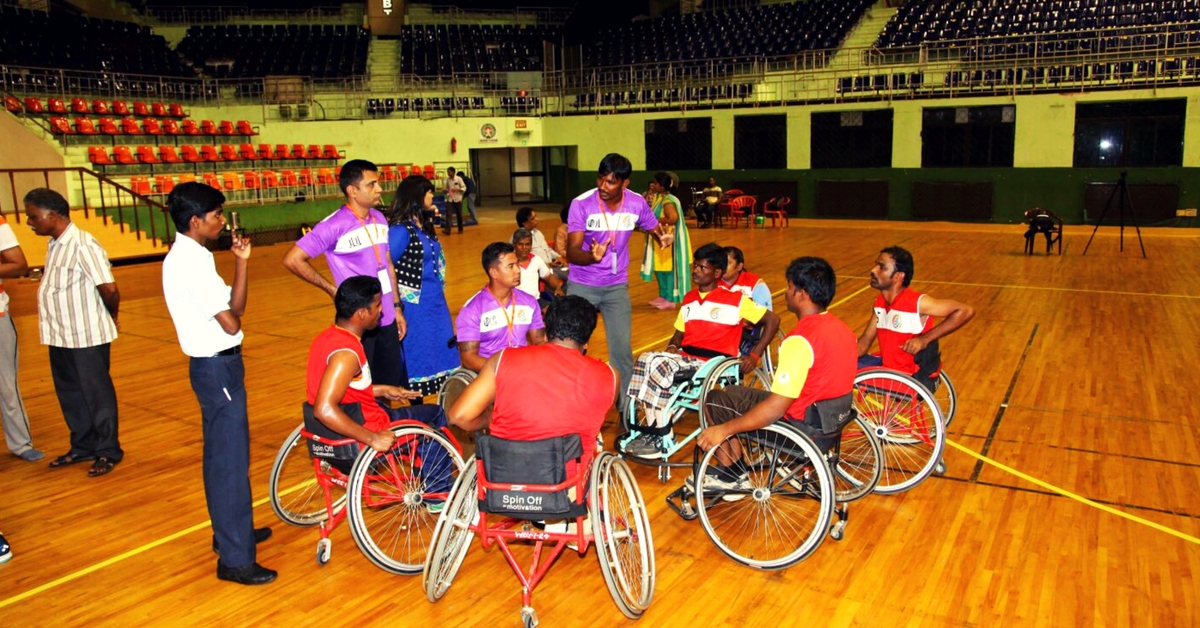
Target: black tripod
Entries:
(1121, 193)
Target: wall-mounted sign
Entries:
(487, 132)
(386, 17)
(520, 124)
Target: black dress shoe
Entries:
(253, 574)
(260, 535)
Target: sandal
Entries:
(102, 466)
(69, 459)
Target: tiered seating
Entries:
(61, 40)
(432, 50)
(669, 97)
(382, 107)
(256, 50)
(247, 185)
(1029, 27)
(281, 154)
(767, 30)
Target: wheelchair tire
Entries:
(452, 535)
(454, 385)
(296, 497)
(787, 498)
(725, 373)
(621, 531)
(388, 499)
(947, 398)
(907, 422)
(859, 463)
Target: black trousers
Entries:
(453, 209)
(88, 400)
(382, 346)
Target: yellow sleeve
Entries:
(795, 358)
(679, 325)
(750, 311)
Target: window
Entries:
(679, 144)
(852, 139)
(1128, 134)
(968, 137)
(760, 142)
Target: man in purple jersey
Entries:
(354, 241)
(499, 316)
(599, 226)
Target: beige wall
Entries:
(22, 148)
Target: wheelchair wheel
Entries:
(621, 529)
(394, 497)
(908, 423)
(454, 385)
(859, 462)
(296, 497)
(946, 396)
(725, 373)
(778, 511)
(452, 535)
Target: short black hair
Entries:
(736, 254)
(570, 318)
(616, 165)
(564, 214)
(665, 180)
(192, 199)
(451, 170)
(352, 172)
(523, 215)
(713, 254)
(903, 262)
(521, 234)
(354, 294)
(814, 276)
(45, 198)
(493, 252)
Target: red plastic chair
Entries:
(56, 105)
(158, 110)
(108, 126)
(123, 156)
(229, 153)
(297, 151)
(171, 127)
(98, 156)
(244, 128)
(246, 151)
(79, 105)
(190, 128)
(100, 107)
(777, 208)
(168, 155)
(140, 108)
(33, 105)
(225, 128)
(212, 180)
(264, 151)
(163, 184)
(120, 108)
(145, 155)
(208, 127)
(742, 207)
(151, 126)
(60, 126)
(313, 152)
(330, 152)
(140, 185)
(12, 104)
(281, 152)
(190, 154)
(84, 126)
(175, 110)
(129, 126)
(209, 153)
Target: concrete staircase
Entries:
(383, 64)
(862, 36)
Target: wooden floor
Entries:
(1075, 372)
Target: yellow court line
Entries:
(1065, 493)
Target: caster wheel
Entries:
(940, 468)
(324, 551)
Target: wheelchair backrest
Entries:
(524, 463)
(329, 451)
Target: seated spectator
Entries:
(560, 234)
(498, 316)
(1041, 221)
(738, 279)
(813, 381)
(527, 218)
(709, 325)
(338, 375)
(706, 210)
(533, 269)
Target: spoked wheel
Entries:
(946, 396)
(621, 529)
(452, 535)
(773, 514)
(907, 422)
(859, 462)
(296, 497)
(395, 497)
(723, 374)
(448, 393)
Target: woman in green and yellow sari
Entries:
(672, 266)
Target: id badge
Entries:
(385, 281)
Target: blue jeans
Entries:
(219, 384)
(613, 303)
(436, 465)
(868, 360)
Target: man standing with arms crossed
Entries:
(354, 241)
(208, 320)
(599, 226)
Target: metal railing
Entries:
(121, 204)
(341, 14)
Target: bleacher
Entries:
(433, 50)
(257, 50)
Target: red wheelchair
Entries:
(511, 487)
(392, 499)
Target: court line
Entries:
(1068, 494)
(1012, 385)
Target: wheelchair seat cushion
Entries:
(824, 420)
(316, 427)
(529, 462)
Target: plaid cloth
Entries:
(653, 380)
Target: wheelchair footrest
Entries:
(683, 502)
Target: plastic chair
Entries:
(98, 156)
(168, 155)
(145, 155)
(777, 208)
(742, 207)
(84, 126)
(123, 156)
(229, 153)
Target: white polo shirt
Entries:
(195, 294)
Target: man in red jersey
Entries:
(903, 322)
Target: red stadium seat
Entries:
(145, 155)
(98, 156)
(313, 152)
(187, 178)
(12, 104)
(33, 105)
(251, 179)
(168, 155)
(119, 108)
(85, 127)
(123, 156)
(246, 151)
(264, 151)
(401, 173)
(212, 180)
(190, 154)
(140, 185)
(79, 105)
(100, 107)
(170, 127)
(60, 126)
(209, 153)
(270, 179)
(229, 153)
(190, 128)
(109, 127)
(306, 177)
(325, 176)
(386, 173)
(129, 126)
(288, 179)
(430, 173)
(225, 128)
(175, 110)
(297, 151)
(151, 126)
(140, 108)
(244, 128)
(281, 152)
(330, 152)
(158, 110)
(56, 105)
(208, 127)
(163, 184)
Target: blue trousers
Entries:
(219, 384)
(435, 462)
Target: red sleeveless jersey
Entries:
(895, 323)
(714, 322)
(543, 391)
(835, 361)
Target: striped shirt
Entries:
(71, 313)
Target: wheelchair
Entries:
(320, 479)
(908, 422)
(513, 484)
(454, 385)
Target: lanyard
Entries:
(370, 237)
(509, 318)
(612, 235)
